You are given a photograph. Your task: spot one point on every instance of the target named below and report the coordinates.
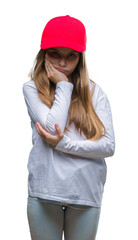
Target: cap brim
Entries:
(62, 43)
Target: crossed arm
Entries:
(47, 118)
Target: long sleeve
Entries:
(105, 146)
(40, 112)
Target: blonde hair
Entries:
(81, 111)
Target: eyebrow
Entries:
(68, 52)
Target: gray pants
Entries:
(48, 220)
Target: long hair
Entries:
(81, 111)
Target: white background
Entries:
(112, 59)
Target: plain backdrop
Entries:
(112, 59)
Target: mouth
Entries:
(61, 70)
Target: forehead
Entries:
(64, 50)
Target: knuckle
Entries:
(61, 135)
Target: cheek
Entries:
(74, 65)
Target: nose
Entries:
(62, 62)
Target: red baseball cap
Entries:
(64, 31)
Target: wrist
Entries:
(66, 79)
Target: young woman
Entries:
(73, 132)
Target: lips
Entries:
(60, 69)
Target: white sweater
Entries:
(75, 170)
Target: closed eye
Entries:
(53, 54)
(72, 56)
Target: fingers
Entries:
(48, 137)
(41, 131)
(48, 63)
(49, 68)
(38, 130)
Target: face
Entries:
(63, 59)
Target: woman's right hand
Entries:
(53, 74)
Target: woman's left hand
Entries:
(48, 137)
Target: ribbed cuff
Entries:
(65, 85)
